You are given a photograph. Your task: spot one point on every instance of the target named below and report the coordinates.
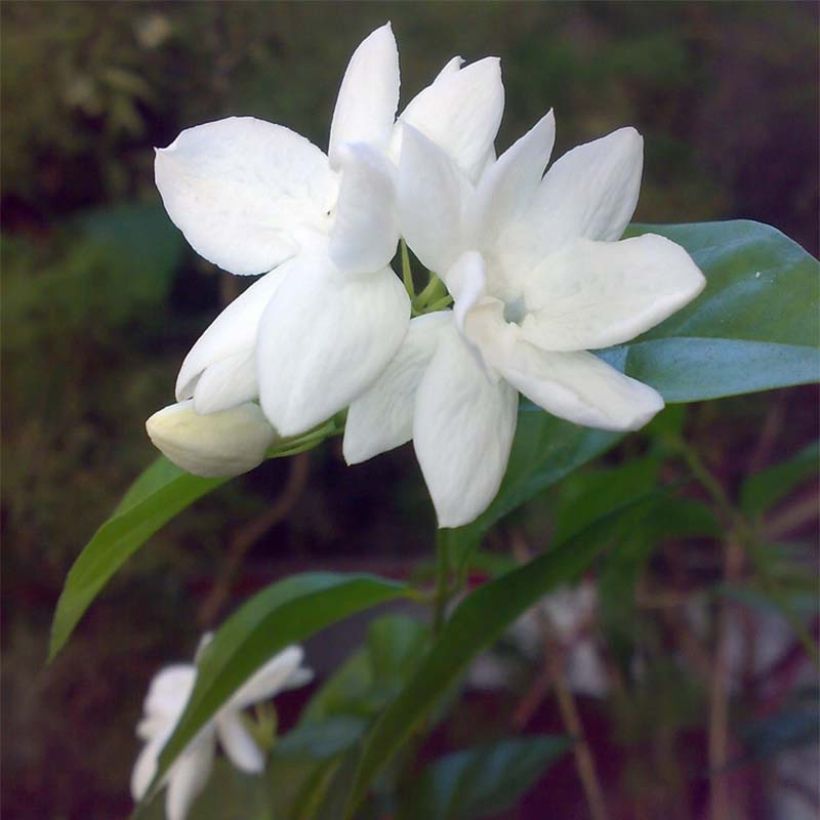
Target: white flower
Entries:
(538, 280)
(225, 443)
(254, 197)
(164, 705)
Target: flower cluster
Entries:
(166, 700)
(532, 262)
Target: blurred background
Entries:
(102, 298)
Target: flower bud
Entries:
(226, 443)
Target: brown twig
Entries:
(554, 675)
(719, 798)
(249, 534)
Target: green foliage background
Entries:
(101, 298)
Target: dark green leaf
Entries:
(159, 494)
(371, 677)
(545, 450)
(764, 489)
(482, 781)
(228, 795)
(475, 625)
(282, 614)
(753, 328)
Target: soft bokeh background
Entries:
(102, 298)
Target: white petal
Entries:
(146, 767)
(507, 186)
(232, 333)
(366, 225)
(239, 746)
(430, 194)
(323, 339)
(462, 432)
(580, 387)
(240, 189)
(467, 282)
(169, 691)
(226, 384)
(460, 112)
(220, 444)
(590, 192)
(452, 66)
(595, 294)
(278, 674)
(382, 417)
(369, 94)
(188, 778)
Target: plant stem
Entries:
(444, 302)
(719, 799)
(406, 271)
(432, 292)
(584, 763)
(554, 660)
(442, 594)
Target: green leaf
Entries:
(478, 782)
(159, 494)
(753, 328)
(763, 490)
(475, 625)
(589, 494)
(545, 450)
(373, 675)
(228, 795)
(284, 613)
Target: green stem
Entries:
(440, 304)
(298, 444)
(442, 594)
(433, 291)
(406, 271)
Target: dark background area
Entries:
(102, 298)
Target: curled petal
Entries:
(382, 417)
(431, 190)
(579, 387)
(219, 444)
(460, 112)
(366, 226)
(231, 334)
(369, 95)
(242, 190)
(462, 432)
(596, 294)
(467, 282)
(323, 339)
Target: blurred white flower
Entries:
(225, 443)
(254, 197)
(569, 613)
(164, 705)
(538, 279)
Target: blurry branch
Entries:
(720, 805)
(796, 515)
(554, 675)
(739, 537)
(249, 534)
